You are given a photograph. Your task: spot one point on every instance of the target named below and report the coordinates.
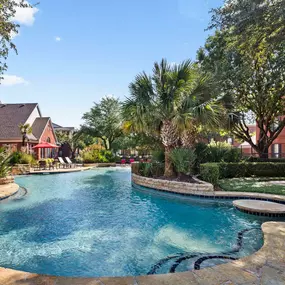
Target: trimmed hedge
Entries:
(245, 169)
(210, 172)
(259, 159)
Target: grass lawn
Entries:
(260, 185)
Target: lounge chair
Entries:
(70, 163)
(62, 162)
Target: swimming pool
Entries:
(94, 223)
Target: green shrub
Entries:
(147, 169)
(259, 159)
(157, 169)
(98, 156)
(158, 156)
(216, 152)
(222, 151)
(88, 157)
(231, 170)
(21, 158)
(5, 167)
(108, 155)
(15, 157)
(26, 159)
(183, 160)
(210, 172)
(248, 169)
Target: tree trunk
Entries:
(23, 140)
(264, 153)
(168, 171)
(188, 137)
(169, 136)
(263, 149)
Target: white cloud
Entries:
(25, 16)
(57, 39)
(11, 80)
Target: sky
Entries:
(73, 53)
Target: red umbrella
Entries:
(45, 145)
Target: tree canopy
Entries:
(8, 29)
(169, 103)
(104, 121)
(251, 77)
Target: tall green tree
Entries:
(104, 121)
(253, 24)
(169, 101)
(249, 70)
(77, 140)
(8, 29)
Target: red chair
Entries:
(132, 160)
(123, 161)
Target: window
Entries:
(276, 150)
(43, 153)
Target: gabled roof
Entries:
(11, 116)
(39, 126)
(56, 126)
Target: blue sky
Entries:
(73, 53)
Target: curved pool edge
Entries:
(8, 190)
(260, 268)
(180, 189)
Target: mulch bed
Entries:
(185, 178)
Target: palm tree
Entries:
(25, 130)
(169, 102)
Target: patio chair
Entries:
(70, 163)
(123, 161)
(62, 162)
(132, 160)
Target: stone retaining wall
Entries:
(6, 180)
(173, 186)
(20, 169)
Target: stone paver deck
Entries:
(8, 190)
(263, 207)
(267, 266)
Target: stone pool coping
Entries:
(179, 188)
(263, 267)
(7, 190)
(263, 208)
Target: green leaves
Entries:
(5, 167)
(183, 160)
(176, 93)
(8, 29)
(104, 121)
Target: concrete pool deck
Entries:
(266, 266)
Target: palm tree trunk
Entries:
(168, 171)
(169, 137)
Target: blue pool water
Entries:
(94, 223)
